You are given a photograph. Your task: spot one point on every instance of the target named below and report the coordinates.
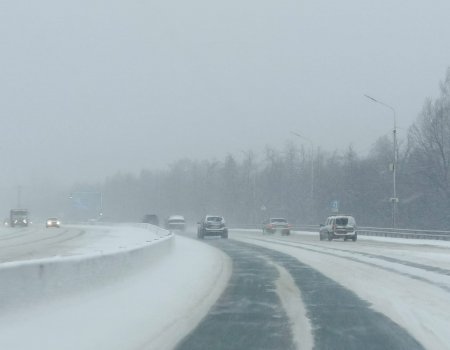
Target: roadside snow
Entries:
(150, 309)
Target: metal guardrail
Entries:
(379, 231)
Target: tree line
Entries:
(301, 184)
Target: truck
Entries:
(18, 217)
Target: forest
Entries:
(302, 181)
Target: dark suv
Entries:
(339, 226)
(212, 225)
(151, 219)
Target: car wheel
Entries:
(225, 236)
(330, 236)
(354, 238)
(320, 237)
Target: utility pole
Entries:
(19, 195)
(312, 169)
(394, 199)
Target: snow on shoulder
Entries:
(152, 308)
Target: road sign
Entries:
(335, 206)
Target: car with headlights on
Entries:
(212, 225)
(52, 222)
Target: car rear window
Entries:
(344, 221)
(214, 219)
(341, 221)
(278, 220)
(176, 221)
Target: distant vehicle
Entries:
(176, 222)
(53, 222)
(339, 226)
(274, 225)
(151, 219)
(212, 225)
(18, 217)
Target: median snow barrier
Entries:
(25, 283)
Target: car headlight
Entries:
(49, 222)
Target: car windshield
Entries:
(19, 213)
(318, 131)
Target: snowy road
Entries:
(408, 282)
(252, 292)
(118, 287)
(37, 242)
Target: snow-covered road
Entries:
(297, 292)
(406, 280)
(142, 303)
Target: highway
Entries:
(299, 293)
(252, 291)
(36, 242)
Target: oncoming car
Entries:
(277, 225)
(52, 222)
(212, 225)
(339, 226)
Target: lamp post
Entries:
(19, 196)
(394, 199)
(312, 167)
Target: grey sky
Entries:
(89, 88)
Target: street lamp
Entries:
(312, 167)
(394, 199)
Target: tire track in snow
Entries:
(354, 259)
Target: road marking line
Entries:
(292, 302)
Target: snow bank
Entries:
(151, 309)
(407, 241)
(114, 253)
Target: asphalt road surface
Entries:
(254, 312)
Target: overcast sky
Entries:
(92, 87)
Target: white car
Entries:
(339, 226)
(53, 222)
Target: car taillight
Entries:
(334, 227)
(270, 226)
(289, 225)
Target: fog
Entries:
(92, 88)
